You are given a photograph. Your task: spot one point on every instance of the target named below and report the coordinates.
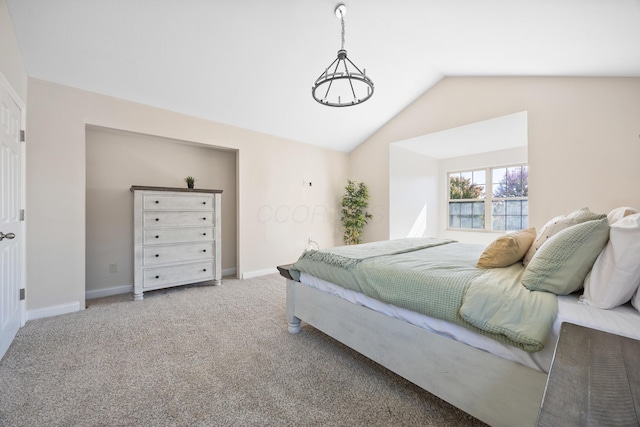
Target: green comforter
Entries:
(438, 278)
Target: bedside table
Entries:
(594, 380)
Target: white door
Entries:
(11, 240)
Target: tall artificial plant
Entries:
(354, 216)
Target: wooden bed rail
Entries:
(492, 389)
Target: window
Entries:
(505, 207)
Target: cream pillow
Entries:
(552, 227)
(508, 249)
(619, 213)
(562, 263)
(615, 276)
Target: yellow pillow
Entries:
(508, 249)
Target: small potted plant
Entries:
(190, 181)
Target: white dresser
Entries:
(176, 237)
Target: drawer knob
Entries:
(157, 277)
(157, 201)
(157, 237)
(204, 203)
(204, 250)
(204, 234)
(157, 219)
(157, 255)
(204, 269)
(204, 219)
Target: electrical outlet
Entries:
(113, 268)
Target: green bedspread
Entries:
(438, 278)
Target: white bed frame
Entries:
(494, 390)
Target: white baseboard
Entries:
(258, 273)
(54, 310)
(125, 289)
(107, 292)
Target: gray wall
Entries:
(117, 160)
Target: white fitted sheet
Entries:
(623, 320)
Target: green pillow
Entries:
(584, 215)
(563, 261)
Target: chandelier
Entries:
(342, 84)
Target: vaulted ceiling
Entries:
(251, 63)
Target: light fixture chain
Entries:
(342, 22)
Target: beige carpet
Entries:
(201, 356)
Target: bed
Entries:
(481, 370)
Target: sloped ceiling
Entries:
(251, 63)
(499, 133)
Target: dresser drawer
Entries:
(177, 219)
(157, 255)
(177, 235)
(177, 275)
(177, 202)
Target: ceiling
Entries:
(251, 63)
(499, 133)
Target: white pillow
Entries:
(552, 227)
(615, 276)
(619, 213)
(635, 301)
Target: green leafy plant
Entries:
(190, 181)
(462, 188)
(354, 216)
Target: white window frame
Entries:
(488, 198)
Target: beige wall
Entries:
(276, 213)
(117, 160)
(11, 65)
(583, 139)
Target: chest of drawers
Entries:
(176, 237)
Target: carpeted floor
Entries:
(201, 356)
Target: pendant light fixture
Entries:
(342, 84)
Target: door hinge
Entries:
(21, 214)
(22, 136)
(22, 294)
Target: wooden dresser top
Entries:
(180, 189)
